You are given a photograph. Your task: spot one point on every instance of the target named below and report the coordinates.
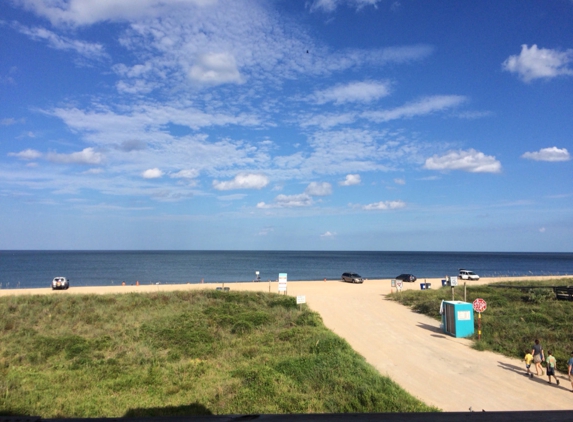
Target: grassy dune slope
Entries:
(194, 352)
(514, 318)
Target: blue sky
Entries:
(279, 124)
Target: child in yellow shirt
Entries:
(528, 359)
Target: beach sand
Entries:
(410, 348)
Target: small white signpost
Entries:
(300, 300)
(282, 282)
(399, 285)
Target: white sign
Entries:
(453, 281)
(464, 316)
(282, 282)
(300, 299)
(399, 284)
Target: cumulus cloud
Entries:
(153, 173)
(243, 181)
(535, 63)
(400, 181)
(288, 201)
(471, 161)
(548, 154)
(318, 189)
(185, 174)
(215, 69)
(327, 235)
(27, 154)
(385, 205)
(361, 92)
(350, 180)
(421, 107)
(85, 156)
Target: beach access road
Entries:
(410, 348)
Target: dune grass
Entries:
(180, 353)
(514, 317)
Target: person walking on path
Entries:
(551, 363)
(528, 359)
(537, 352)
(570, 371)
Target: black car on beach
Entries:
(407, 277)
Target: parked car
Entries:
(407, 277)
(60, 283)
(468, 275)
(352, 278)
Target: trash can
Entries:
(428, 285)
(422, 286)
(444, 282)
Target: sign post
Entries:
(283, 282)
(300, 300)
(480, 306)
(399, 285)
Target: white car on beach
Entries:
(60, 283)
(468, 275)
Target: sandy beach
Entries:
(410, 348)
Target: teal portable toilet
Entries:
(457, 318)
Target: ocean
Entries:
(35, 269)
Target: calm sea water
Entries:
(33, 269)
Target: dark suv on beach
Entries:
(352, 278)
(407, 277)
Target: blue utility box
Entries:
(458, 318)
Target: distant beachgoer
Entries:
(528, 359)
(537, 352)
(570, 371)
(551, 363)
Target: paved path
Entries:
(408, 347)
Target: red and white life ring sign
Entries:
(480, 305)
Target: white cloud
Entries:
(94, 171)
(328, 235)
(234, 197)
(331, 5)
(534, 63)
(318, 189)
(385, 205)
(85, 156)
(548, 154)
(288, 201)
(471, 161)
(326, 121)
(27, 154)
(542, 230)
(350, 180)
(243, 181)
(265, 231)
(59, 42)
(400, 181)
(87, 12)
(185, 174)
(153, 173)
(421, 107)
(215, 69)
(362, 92)
(9, 121)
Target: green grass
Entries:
(180, 353)
(514, 317)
